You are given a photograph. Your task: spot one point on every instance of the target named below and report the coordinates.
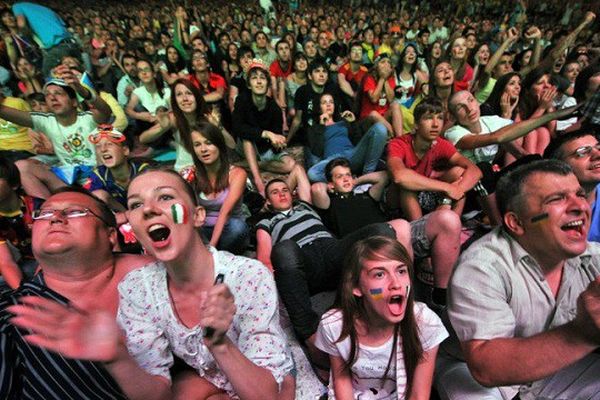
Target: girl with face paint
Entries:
(380, 340)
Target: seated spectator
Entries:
(258, 121)
(305, 257)
(427, 169)
(150, 98)
(409, 77)
(65, 127)
(172, 66)
(238, 83)
(522, 298)
(280, 69)
(580, 149)
(110, 180)
(72, 239)
(332, 138)
(478, 138)
(352, 73)
(15, 227)
(15, 143)
(129, 81)
(504, 98)
(30, 80)
(220, 187)
(457, 53)
(295, 80)
(346, 209)
(187, 109)
(378, 94)
(377, 325)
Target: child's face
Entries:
(429, 126)
(341, 180)
(384, 286)
(111, 154)
(39, 106)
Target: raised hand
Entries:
(217, 312)
(67, 330)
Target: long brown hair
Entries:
(180, 121)
(378, 248)
(213, 134)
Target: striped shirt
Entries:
(301, 224)
(30, 372)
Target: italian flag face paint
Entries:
(179, 213)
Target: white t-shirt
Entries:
(71, 143)
(489, 124)
(371, 362)
(151, 101)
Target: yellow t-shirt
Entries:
(13, 136)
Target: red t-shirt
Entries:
(382, 105)
(215, 81)
(350, 76)
(463, 84)
(277, 72)
(436, 157)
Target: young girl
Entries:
(381, 344)
(220, 187)
(458, 53)
(173, 66)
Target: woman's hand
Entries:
(508, 105)
(348, 116)
(546, 98)
(67, 330)
(217, 312)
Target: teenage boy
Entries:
(415, 163)
(65, 126)
(258, 121)
(110, 180)
(129, 81)
(280, 69)
(347, 209)
(352, 73)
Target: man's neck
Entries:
(284, 65)
(316, 88)
(590, 192)
(421, 145)
(68, 118)
(121, 173)
(354, 66)
(260, 101)
(475, 127)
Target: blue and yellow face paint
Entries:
(376, 294)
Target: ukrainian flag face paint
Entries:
(376, 294)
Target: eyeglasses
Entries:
(584, 151)
(68, 213)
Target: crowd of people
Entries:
(178, 183)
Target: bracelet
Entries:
(445, 201)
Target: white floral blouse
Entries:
(154, 333)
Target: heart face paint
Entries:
(179, 213)
(376, 294)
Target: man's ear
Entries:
(513, 223)
(330, 187)
(199, 216)
(113, 238)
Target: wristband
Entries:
(445, 201)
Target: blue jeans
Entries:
(363, 158)
(234, 237)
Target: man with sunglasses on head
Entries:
(73, 235)
(67, 129)
(581, 150)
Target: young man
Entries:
(351, 74)
(65, 127)
(580, 149)
(413, 160)
(258, 121)
(129, 81)
(280, 69)
(436, 235)
(110, 180)
(478, 138)
(524, 299)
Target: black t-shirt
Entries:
(350, 212)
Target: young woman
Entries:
(458, 53)
(296, 79)
(442, 87)
(173, 66)
(433, 55)
(188, 108)
(379, 340)
(335, 136)
(409, 78)
(220, 187)
(152, 96)
(504, 99)
(30, 79)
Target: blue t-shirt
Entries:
(336, 139)
(49, 28)
(102, 178)
(594, 233)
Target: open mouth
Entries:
(395, 304)
(106, 157)
(573, 226)
(159, 233)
